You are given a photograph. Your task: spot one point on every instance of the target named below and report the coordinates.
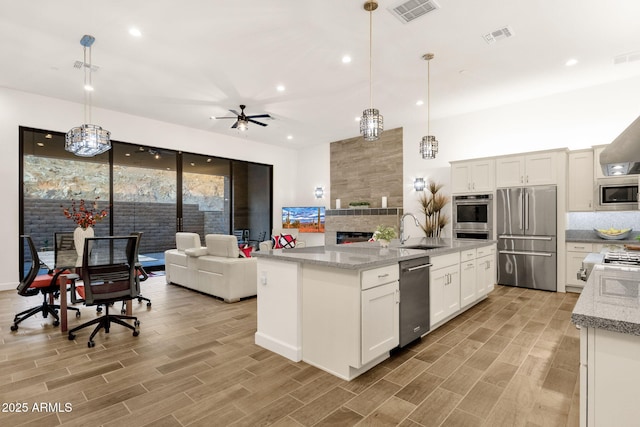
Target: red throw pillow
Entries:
(275, 242)
(287, 241)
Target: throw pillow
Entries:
(287, 241)
(275, 242)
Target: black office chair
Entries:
(108, 275)
(46, 284)
(141, 276)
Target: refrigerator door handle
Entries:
(526, 209)
(547, 254)
(509, 236)
(521, 209)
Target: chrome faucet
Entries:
(402, 238)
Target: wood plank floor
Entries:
(510, 361)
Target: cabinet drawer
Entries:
(467, 255)
(445, 260)
(580, 247)
(486, 250)
(380, 276)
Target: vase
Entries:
(79, 234)
(383, 243)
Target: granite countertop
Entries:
(364, 255)
(590, 236)
(610, 300)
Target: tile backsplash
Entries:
(591, 220)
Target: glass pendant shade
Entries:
(371, 124)
(243, 125)
(429, 147)
(87, 140)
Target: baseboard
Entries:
(279, 347)
(8, 286)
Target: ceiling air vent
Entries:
(80, 64)
(627, 57)
(407, 11)
(497, 35)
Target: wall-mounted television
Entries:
(307, 219)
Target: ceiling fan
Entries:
(242, 120)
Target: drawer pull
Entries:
(382, 276)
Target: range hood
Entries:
(622, 156)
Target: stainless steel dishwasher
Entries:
(414, 299)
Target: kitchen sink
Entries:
(423, 247)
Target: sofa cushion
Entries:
(222, 245)
(187, 240)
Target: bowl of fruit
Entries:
(613, 233)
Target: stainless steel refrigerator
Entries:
(526, 226)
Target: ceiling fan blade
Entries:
(227, 117)
(256, 122)
(258, 116)
(235, 112)
(235, 125)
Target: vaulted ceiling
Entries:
(200, 58)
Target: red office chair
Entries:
(46, 284)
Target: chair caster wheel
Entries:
(99, 310)
(91, 344)
(148, 304)
(123, 311)
(56, 323)
(14, 327)
(77, 314)
(139, 300)
(72, 337)
(136, 323)
(136, 333)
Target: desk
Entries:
(67, 260)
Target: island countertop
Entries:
(364, 255)
(610, 300)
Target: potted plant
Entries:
(359, 204)
(384, 235)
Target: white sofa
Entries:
(176, 261)
(215, 269)
(268, 244)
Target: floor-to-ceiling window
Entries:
(148, 189)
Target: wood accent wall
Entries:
(366, 171)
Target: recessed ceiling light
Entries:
(346, 59)
(88, 88)
(571, 62)
(280, 88)
(419, 102)
(209, 160)
(192, 164)
(357, 119)
(40, 144)
(135, 32)
(127, 155)
(290, 137)
(48, 136)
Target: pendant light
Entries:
(371, 122)
(429, 143)
(87, 140)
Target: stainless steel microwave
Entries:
(617, 194)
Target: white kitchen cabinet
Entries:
(527, 169)
(609, 378)
(468, 277)
(380, 320)
(576, 252)
(486, 270)
(350, 318)
(597, 169)
(473, 176)
(444, 287)
(581, 181)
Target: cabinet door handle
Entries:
(382, 276)
(474, 185)
(527, 178)
(521, 179)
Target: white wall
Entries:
(23, 109)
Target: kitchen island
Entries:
(337, 307)
(608, 314)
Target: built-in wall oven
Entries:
(473, 216)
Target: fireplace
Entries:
(343, 237)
